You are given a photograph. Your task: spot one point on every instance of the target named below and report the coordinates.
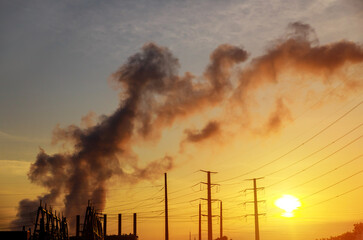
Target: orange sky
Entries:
(289, 112)
(321, 143)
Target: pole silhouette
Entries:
(105, 225)
(119, 224)
(210, 232)
(257, 229)
(200, 222)
(135, 227)
(166, 208)
(209, 200)
(220, 222)
(255, 202)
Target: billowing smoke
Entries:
(188, 94)
(276, 118)
(210, 130)
(153, 96)
(298, 53)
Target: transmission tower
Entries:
(209, 199)
(255, 202)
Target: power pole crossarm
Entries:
(252, 189)
(206, 215)
(254, 201)
(213, 200)
(260, 214)
(212, 184)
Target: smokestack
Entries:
(135, 224)
(77, 225)
(105, 224)
(119, 224)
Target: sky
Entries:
(99, 99)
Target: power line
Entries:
(326, 173)
(319, 150)
(332, 185)
(298, 146)
(312, 165)
(339, 195)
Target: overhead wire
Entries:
(332, 185)
(315, 152)
(339, 195)
(314, 164)
(326, 173)
(296, 147)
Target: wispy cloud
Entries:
(10, 137)
(14, 167)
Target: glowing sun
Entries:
(288, 203)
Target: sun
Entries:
(288, 203)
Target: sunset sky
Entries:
(103, 97)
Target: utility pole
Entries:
(119, 224)
(105, 225)
(257, 229)
(209, 209)
(166, 208)
(220, 222)
(200, 222)
(255, 202)
(209, 199)
(135, 227)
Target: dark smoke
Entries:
(83, 173)
(276, 119)
(188, 95)
(210, 130)
(298, 53)
(151, 92)
(154, 96)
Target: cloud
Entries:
(14, 167)
(15, 138)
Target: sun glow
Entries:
(288, 203)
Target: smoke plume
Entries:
(276, 118)
(298, 53)
(210, 130)
(154, 96)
